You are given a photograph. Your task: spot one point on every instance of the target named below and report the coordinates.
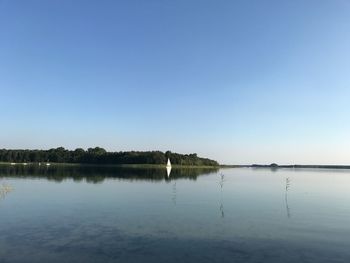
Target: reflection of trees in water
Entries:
(96, 174)
(222, 210)
(286, 196)
(174, 193)
(4, 190)
(221, 183)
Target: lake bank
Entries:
(99, 155)
(299, 166)
(176, 166)
(141, 166)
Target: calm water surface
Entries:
(72, 214)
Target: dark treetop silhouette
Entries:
(99, 155)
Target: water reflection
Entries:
(174, 194)
(133, 219)
(97, 174)
(286, 196)
(222, 179)
(168, 171)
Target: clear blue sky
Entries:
(237, 81)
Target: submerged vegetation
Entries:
(99, 155)
(4, 190)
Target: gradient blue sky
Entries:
(237, 81)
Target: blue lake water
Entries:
(141, 215)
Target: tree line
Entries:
(99, 155)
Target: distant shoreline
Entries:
(175, 166)
(100, 156)
(140, 166)
(292, 166)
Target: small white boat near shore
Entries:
(168, 167)
(168, 163)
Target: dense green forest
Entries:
(99, 155)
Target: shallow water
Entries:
(87, 214)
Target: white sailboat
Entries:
(169, 163)
(168, 168)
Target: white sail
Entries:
(168, 170)
(169, 163)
